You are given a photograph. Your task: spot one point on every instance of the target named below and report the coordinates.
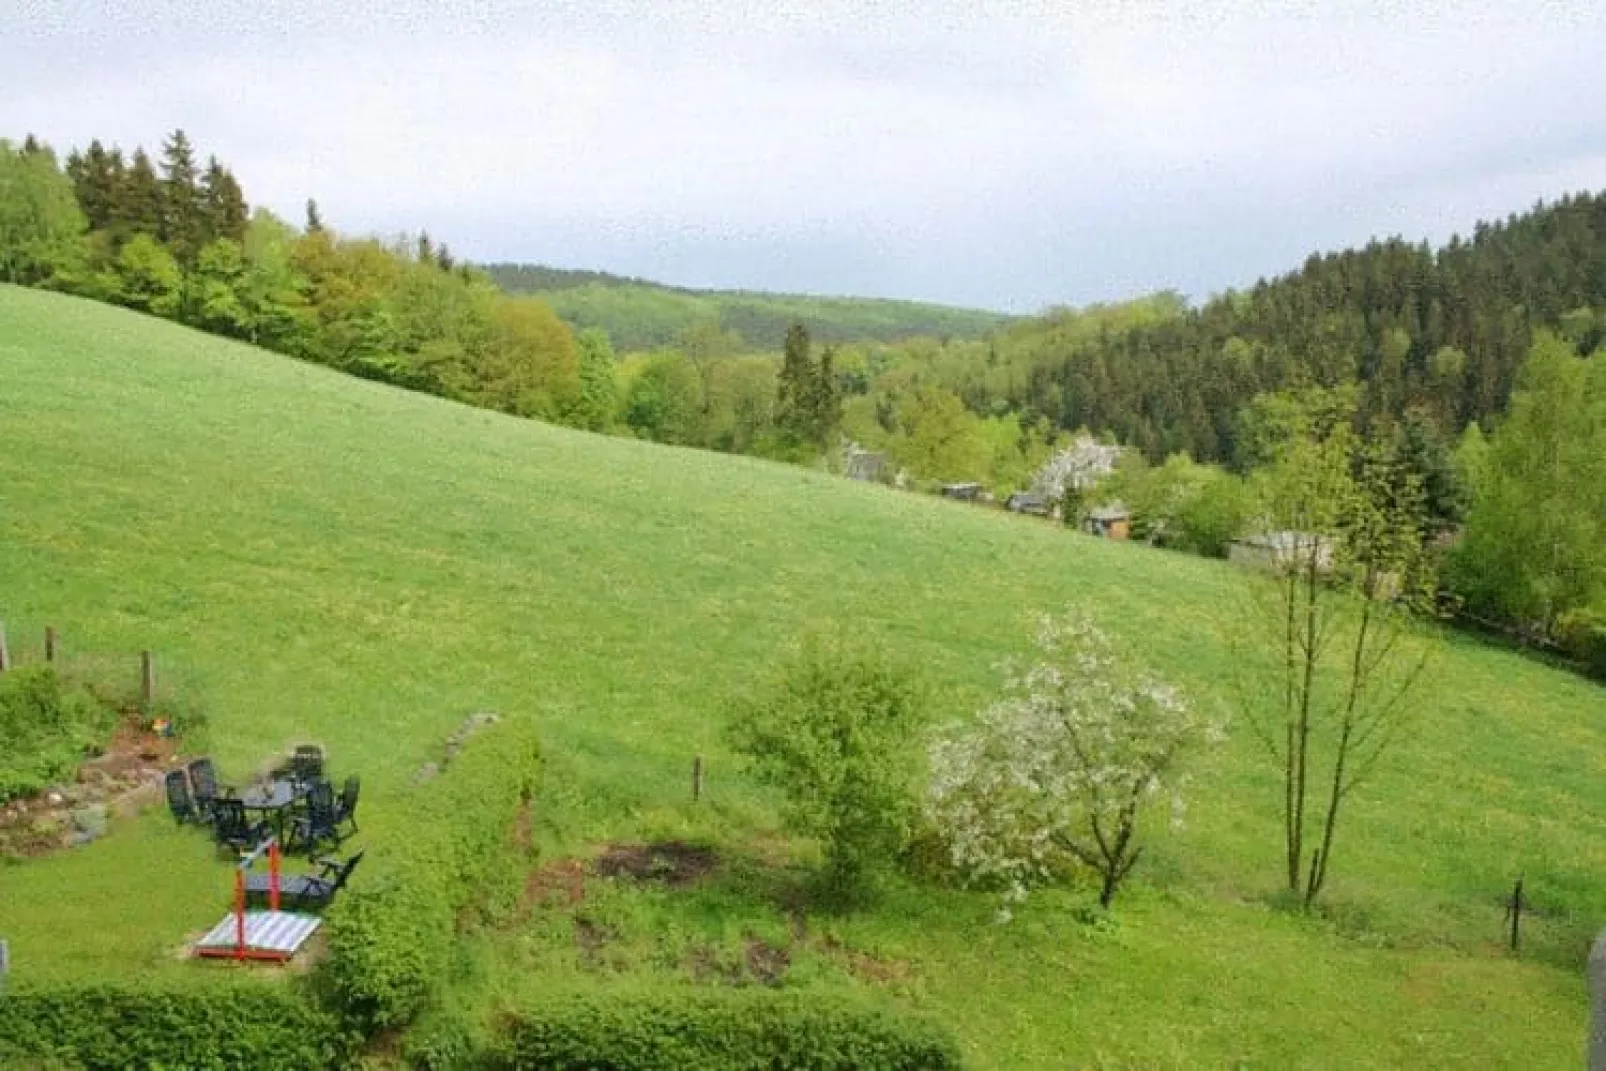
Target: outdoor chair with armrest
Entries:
(346, 805)
(232, 829)
(179, 801)
(306, 764)
(203, 776)
(307, 891)
(318, 821)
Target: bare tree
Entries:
(1334, 644)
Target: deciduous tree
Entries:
(833, 731)
(1061, 770)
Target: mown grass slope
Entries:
(316, 556)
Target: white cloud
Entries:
(1000, 153)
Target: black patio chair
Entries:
(306, 764)
(179, 800)
(346, 805)
(232, 828)
(305, 891)
(203, 776)
(317, 822)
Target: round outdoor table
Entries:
(273, 801)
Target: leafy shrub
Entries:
(834, 732)
(48, 728)
(718, 1030)
(445, 1039)
(218, 1024)
(391, 937)
(1582, 634)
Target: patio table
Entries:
(273, 801)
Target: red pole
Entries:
(239, 913)
(273, 874)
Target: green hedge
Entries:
(216, 1024)
(391, 935)
(719, 1030)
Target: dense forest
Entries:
(641, 315)
(1467, 367)
(1441, 331)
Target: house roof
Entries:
(1115, 511)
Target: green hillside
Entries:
(639, 315)
(316, 556)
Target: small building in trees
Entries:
(964, 492)
(1030, 502)
(1280, 550)
(1110, 521)
(869, 466)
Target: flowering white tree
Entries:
(1060, 770)
(1078, 467)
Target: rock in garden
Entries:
(90, 821)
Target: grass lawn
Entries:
(312, 556)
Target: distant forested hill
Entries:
(1439, 331)
(640, 315)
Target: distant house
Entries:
(1279, 550)
(965, 492)
(867, 465)
(1030, 502)
(1112, 521)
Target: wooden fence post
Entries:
(50, 643)
(147, 679)
(5, 652)
(1597, 996)
(696, 778)
(1514, 910)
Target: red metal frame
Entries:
(241, 951)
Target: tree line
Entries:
(178, 240)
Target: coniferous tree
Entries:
(98, 178)
(825, 400)
(224, 210)
(426, 249)
(182, 218)
(314, 220)
(443, 258)
(140, 203)
(795, 387)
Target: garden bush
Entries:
(718, 1030)
(1582, 634)
(48, 727)
(216, 1024)
(391, 938)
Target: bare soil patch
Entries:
(673, 863)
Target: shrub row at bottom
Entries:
(219, 1024)
(717, 1030)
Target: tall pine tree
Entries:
(795, 384)
(183, 223)
(224, 210)
(139, 203)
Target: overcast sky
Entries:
(1007, 155)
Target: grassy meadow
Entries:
(317, 557)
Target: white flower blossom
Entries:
(1058, 771)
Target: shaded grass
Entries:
(322, 558)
